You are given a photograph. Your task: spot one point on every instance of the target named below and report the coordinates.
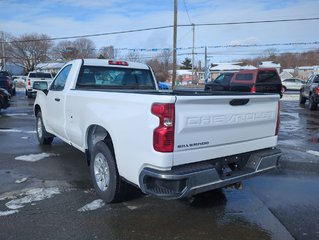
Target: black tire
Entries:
(104, 174)
(44, 137)
(312, 104)
(302, 99)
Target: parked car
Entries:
(33, 78)
(4, 98)
(19, 80)
(264, 80)
(164, 86)
(221, 83)
(6, 82)
(291, 84)
(310, 92)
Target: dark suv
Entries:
(265, 80)
(221, 83)
(4, 99)
(310, 91)
(6, 82)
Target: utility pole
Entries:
(174, 44)
(206, 67)
(193, 51)
(3, 53)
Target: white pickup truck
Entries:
(39, 80)
(171, 144)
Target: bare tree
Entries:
(161, 65)
(108, 52)
(29, 50)
(64, 50)
(80, 48)
(85, 48)
(134, 56)
(4, 39)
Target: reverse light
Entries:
(163, 136)
(121, 63)
(253, 89)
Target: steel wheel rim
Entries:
(39, 128)
(101, 172)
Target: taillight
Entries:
(278, 119)
(122, 63)
(317, 91)
(29, 82)
(253, 89)
(163, 137)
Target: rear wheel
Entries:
(312, 104)
(44, 137)
(104, 174)
(302, 99)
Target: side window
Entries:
(59, 81)
(316, 79)
(219, 79)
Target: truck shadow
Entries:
(209, 199)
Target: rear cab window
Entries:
(268, 77)
(40, 75)
(94, 77)
(244, 78)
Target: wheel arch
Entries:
(96, 133)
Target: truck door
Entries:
(55, 114)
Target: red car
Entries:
(264, 80)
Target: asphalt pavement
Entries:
(46, 192)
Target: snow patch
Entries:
(16, 131)
(313, 153)
(290, 97)
(31, 132)
(132, 207)
(16, 114)
(11, 130)
(6, 213)
(32, 195)
(21, 180)
(96, 204)
(35, 157)
(24, 137)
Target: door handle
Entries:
(239, 102)
(57, 99)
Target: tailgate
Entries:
(208, 127)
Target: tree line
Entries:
(28, 50)
(286, 60)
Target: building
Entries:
(228, 67)
(270, 64)
(284, 75)
(51, 67)
(183, 76)
(304, 72)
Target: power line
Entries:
(166, 27)
(187, 12)
(254, 22)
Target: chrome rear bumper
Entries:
(191, 179)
